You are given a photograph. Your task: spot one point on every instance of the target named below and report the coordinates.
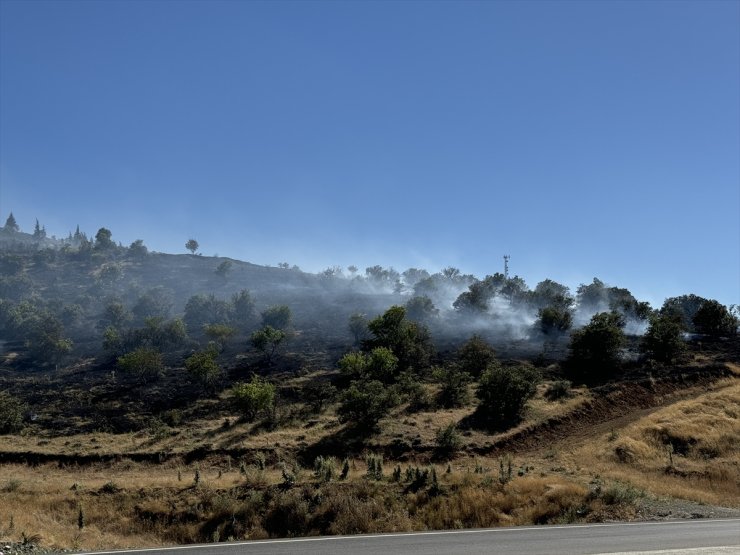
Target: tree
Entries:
(11, 225)
(475, 356)
(595, 347)
(379, 364)
(11, 413)
(454, 391)
(554, 320)
(663, 341)
(103, 240)
(254, 397)
(206, 309)
(267, 340)
(192, 245)
(138, 250)
(242, 310)
(219, 333)
(224, 268)
(144, 363)
(115, 315)
(364, 404)
(203, 368)
(408, 340)
(38, 231)
(358, 326)
(278, 316)
(503, 392)
(155, 303)
(421, 309)
(713, 319)
(684, 307)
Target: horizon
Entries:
(584, 140)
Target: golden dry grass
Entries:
(690, 449)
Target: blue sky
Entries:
(582, 138)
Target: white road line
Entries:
(402, 534)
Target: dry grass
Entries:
(690, 449)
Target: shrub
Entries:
(558, 389)
(267, 340)
(715, 320)
(475, 356)
(365, 403)
(448, 439)
(663, 341)
(503, 392)
(454, 391)
(254, 397)
(202, 366)
(11, 414)
(144, 363)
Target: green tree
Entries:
(663, 341)
(11, 413)
(219, 333)
(11, 225)
(278, 317)
(358, 327)
(254, 397)
(454, 391)
(242, 310)
(421, 309)
(595, 348)
(203, 368)
(268, 340)
(201, 310)
(685, 307)
(713, 319)
(192, 245)
(224, 268)
(103, 240)
(475, 356)
(38, 231)
(408, 340)
(503, 392)
(364, 404)
(554, 320)
(144, 363)
(379, 364)
(138, 250)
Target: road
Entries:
(690, 537)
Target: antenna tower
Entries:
(506, 266)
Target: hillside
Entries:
(151, 399)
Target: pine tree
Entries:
(11, 225)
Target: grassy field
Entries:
(253, 482)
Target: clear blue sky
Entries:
(582, 138)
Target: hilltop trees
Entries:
(103, 241)
(11, 226)
(192, 245)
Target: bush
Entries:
(503, 392)
(365, 403)
(202, 366)
(254, 397)
(11, 414)
(475, 356)
(454, 391)
(267, 340)
(278, 317)
(448, 439)
(558, 390)
(144, 363)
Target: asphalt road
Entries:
(695, 537)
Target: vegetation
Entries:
(123, 371)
